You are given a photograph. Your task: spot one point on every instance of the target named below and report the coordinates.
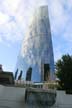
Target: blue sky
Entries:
(14, 19)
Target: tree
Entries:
(64, 72)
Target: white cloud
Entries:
(15, 16)
(11, 32)
(10, 6)
(61, 18)
(68, 33)
(10, 27)
(60, 12)
(58, 16)
(57, 52)
(3, 18)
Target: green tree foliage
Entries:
(64, 72)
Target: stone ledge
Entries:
(40, 97)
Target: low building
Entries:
(6, 78)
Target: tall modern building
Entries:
(36, 52)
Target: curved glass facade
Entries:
(36, 50)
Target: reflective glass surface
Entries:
(37, 48)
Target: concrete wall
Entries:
(13, 97)
(63, 100)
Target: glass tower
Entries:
(36, 52)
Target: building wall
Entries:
(37, 48)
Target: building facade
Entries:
(37, 50)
